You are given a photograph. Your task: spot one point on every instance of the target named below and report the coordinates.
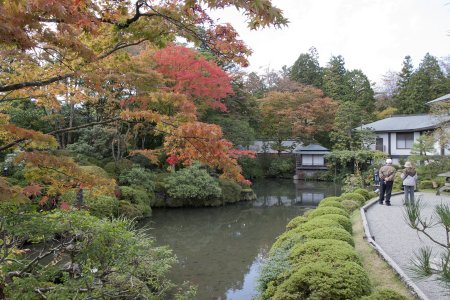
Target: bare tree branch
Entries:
(22, 85)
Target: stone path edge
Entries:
(369, 237)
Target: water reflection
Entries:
(220, 249)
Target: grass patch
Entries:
(380, 273)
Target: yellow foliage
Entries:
(386, 113)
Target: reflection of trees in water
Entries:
(216, 246)
(285, 192)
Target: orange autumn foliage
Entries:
(60, 175)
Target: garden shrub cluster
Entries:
(314, 258)
(139, 189)
(426, 184)
(83, 249)
(357, 197)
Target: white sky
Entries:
(371, 35)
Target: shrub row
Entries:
(315, 259)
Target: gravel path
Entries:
(390, 231)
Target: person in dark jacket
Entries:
(386, 173)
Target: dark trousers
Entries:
(386, 187)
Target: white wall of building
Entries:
(402, 151)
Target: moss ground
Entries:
(380, 274)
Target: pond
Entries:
(220, 249)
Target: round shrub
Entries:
(426, 184)
(355, 197)
(331, 204)
(327, 211)
(318, 223)
(295, 222)
(192, 183)
(137, 196)
(384, 294)
(129, 210)
(332, 198)
(363, 192)
(342, 220)
(102, 206)
(281, 167)
(350, 205)
(116, 168)
(327, 250)
(287, 240)
(231, 191)
(330, 233)
(373, 195)
(138, 176)
(322, 280)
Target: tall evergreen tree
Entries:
(360, 91)
(335, 83)
(418, 87)
(406, 72)
(307, 70)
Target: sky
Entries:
(371, 35)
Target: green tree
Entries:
(348, 117)
(418, 87)
(423, 148)
(235, 130)
(306, 69)
(335, 84)
(360, 91)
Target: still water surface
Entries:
(220, 249)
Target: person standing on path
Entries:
(387, 173)
(409, 176)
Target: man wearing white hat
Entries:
(387, 173)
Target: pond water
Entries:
(220, 249)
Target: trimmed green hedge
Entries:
(350, 205)
(295, 222)
(355, 197)
(373, 195)
(315, 259)
(363, 192)
(331, 204)
(332, 198)
(342, 220)
(318, 223)
(327, 211)
(323, 280)
(287, 240)
(328, 250)
(330, 233)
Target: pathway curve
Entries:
(395, 240)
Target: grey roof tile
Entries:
(443, 98)
(405, 123)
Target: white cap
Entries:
(389, 161)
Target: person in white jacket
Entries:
(409, 176)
